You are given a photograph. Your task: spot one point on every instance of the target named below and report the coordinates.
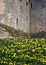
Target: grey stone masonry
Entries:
(26, 15)
(15, 13)
(37, 16)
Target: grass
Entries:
(23, 51)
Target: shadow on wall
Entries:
(41, 34)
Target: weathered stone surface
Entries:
(38, 16)
(15, 14)
(4, 33)
(26, 15)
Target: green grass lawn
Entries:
(23, 51)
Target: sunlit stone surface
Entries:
(4, 33)
(26, 15)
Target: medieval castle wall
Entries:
(15, 13)
(38, 15)
(27, 15)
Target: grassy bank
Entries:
(23, 51)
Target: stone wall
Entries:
(15, 13)
(38, 15)
(26, 15)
